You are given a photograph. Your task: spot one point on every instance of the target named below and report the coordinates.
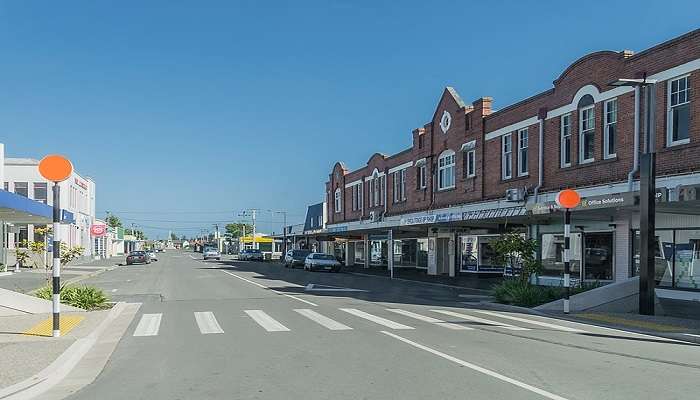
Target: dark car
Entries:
(251, 255)
(295, 257)
(138, 257)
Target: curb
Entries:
(60, 368)
(78, 279)
(419, 282)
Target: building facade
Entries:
(77, 195)
(472, 172)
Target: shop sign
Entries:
(314, 231)
(688, 192)
(424, 219)
(607, 200)
(493, 213)
(98, 230)
(342, 228)
(449, 217)
(378, 237)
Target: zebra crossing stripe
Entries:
(377, 320)
(431, 320)
(148, 325)
(207, 323)
(266, 321)
(481, 320)
(531, 321)
(323, 320)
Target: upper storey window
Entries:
(678, 111)
(586, 129)
(446, 170)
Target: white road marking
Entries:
(265, 287)
(192, 257)
(481, 320)
(323, 320)
(148, 325)
(531, 321)
(114, 290)
(430, 319)
(377, 320)
(270, 324)
(477, 368)
(326, 288)
(692, 334)
(207, 323)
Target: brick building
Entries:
(472, 172)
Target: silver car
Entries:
(321, 261)
(212, 253)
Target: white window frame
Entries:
(338, 203)
(565, 135)
(355, 197)
(507, 156)
(422, 175)
(471, 163)
(606, 127)
(581, 134)
(399, 185)
(446, 162)
(669, 110)
(523, 144)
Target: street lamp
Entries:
(647, 194)
(284, 230)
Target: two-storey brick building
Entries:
(472, 172)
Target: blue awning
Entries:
(16, 209)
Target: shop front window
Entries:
(687, 259)
(378, 252)
(598, 256)
(552, 247)
(360, 253)
(663, 257)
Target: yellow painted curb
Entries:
(45, 327)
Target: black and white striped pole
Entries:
(567, 199)
(56, 168)
(56, 260)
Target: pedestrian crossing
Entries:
(393, 319)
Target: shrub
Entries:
(519, 293)
(85, 297)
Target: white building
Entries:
(77, 195)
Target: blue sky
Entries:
(186, 112)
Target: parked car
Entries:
(322, 261)
(152, 255)
(212, 253)
(251, 255)
(295, 257)
(137, 257)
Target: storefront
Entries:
(477, 255)
(411, 253)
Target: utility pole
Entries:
(251, 213)
(284, 230)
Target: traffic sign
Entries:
(568, 198)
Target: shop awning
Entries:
(16, 209)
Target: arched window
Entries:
(338, 200)
(446, 170)
(586, 129)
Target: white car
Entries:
(321, 261)
(212, 254)
(152, 255)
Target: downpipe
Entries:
(635, 162)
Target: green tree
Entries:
(236, 230)
(113, 221)
(517, 251)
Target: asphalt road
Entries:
(246, 330)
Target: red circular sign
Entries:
(98, 230)
(568, 198)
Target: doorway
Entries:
(443, 256)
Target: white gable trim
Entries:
(511, 128)
(353, 183)
(400, 167)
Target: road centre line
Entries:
(265, 287)
(530, 321)
(477, 368)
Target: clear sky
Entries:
(186, 112)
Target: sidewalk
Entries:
(29, 279)
(412, 274)
(24, 355)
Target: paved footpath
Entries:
(245, 330)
